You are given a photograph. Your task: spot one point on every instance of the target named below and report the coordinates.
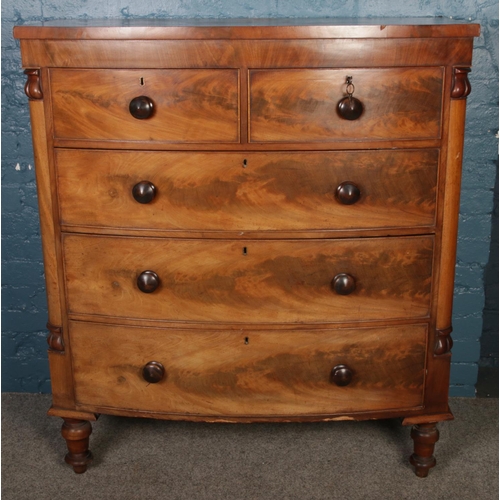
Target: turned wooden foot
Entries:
(76, 433)
(425, 437)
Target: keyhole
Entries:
(245, 163)
(245, 251)
(246, 341)
(142, 81)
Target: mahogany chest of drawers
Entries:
(249, 221)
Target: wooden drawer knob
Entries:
(348, 193)
(350, 108)
(144, 192)
(344, 284)
(153, 372)
(141, 107)
(148, 281)
(341, 375)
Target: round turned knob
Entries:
(141, 107)
(350, 108)
(153, 372)
(341, 375)
(144, 192)
(344, 284)
(148, 281)
(347, 193)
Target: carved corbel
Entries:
(460, 88)
(444, 342)
(55, 338)
(33, 88)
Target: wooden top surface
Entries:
(256, 28)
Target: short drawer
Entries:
(248, 373)
(277, 281)
(186, 105)
(247, 191)
(300, 105)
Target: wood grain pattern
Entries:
(276, 281)
(297, 105)
(253, 373)
(247, 191)
(190, 105)
(321, 53)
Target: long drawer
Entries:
(277, 281)
(247, 191)
(248, 373)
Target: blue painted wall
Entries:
(24, 364)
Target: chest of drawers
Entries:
(249, 221)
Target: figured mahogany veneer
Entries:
(247, 191)
(84, 107)
(286, 281)
(301, 105)
(250, 373)
(249, 220)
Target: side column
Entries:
(59, 360)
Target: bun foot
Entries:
(76, 433)
(425, 437)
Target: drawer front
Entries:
(286, 281)
(248, 373)
(247, 191)
(300, 105)
(188, 105)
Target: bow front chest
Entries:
(250, 220)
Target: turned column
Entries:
(76, 433)
(425, 437)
